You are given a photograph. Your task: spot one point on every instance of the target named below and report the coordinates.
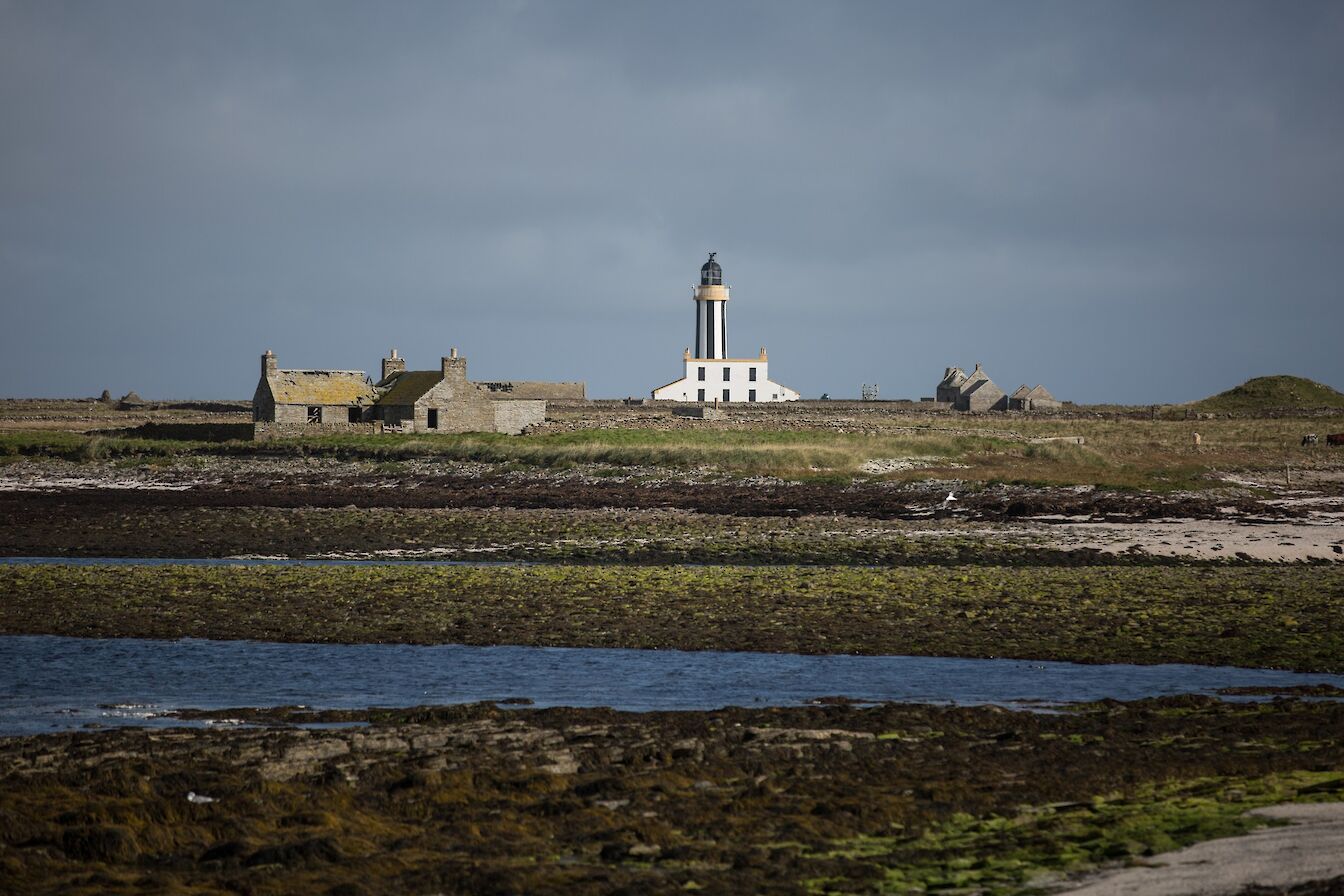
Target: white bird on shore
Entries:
(194, 797)
(949, 499)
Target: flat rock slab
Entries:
(1310, 849)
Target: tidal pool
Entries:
(52, 683)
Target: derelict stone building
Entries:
(1038, 399)
(974, 392)
(312, 400)
(977, 392)
(298, 402)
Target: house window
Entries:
(432, 418)
(727, 371)
(354, 415)
(700, 374)
(751, 374)
(700, 393)
(725, 394)
(314, 414)
(751, 395)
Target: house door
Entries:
(432, 420)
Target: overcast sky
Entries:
(1131, 202)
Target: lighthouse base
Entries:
(725, 379)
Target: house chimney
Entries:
(393, 364)
(268, 363)
(455, 367)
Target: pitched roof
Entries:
(977, 375)
(955, 377)
(1021, 392)
(320, 387)
(976, 385)
(1041, 392)
(409, 386)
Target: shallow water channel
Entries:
(52, 683)
(245, 561)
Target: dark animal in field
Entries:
(1335, 438)
(1309, 439)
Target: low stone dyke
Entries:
(266, 430)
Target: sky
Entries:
(1131, 202)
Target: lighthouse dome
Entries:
(710, 272)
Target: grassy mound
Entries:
(1266, 393)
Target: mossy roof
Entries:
(324, 387)
(409, 386)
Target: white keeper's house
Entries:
(710, 375)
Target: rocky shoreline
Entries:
(485, 799)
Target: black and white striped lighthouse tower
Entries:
(711, 315)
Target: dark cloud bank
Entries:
(1128, 202)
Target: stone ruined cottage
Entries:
(299, 402)
(325, 400)
(973, 392)
(1038, 399)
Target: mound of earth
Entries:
(1265, 393)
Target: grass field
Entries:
(1118, 453)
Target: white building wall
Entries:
(725, 379)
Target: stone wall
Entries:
(512, 417)
(263, 430)
(700, 412)
(988, 397)
(533, 390)
(297, 414)
(263, 407)
(457, 416)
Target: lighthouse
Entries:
(709, 374)
(711, 312)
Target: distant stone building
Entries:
(973, 392)
(949, 390)
(709, 374)
(977, 392)
(311, 400)
(296, 402)
(1038, 399)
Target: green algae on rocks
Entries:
(477, 799)
(533, 535)
(1244, 616)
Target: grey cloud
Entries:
(1127, 201)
